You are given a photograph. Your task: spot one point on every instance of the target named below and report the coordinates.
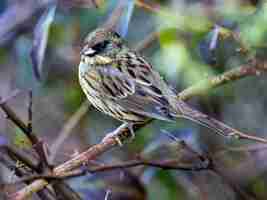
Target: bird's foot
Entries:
(116, 133)
(130, 127)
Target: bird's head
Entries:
(101, 44)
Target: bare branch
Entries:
(79, 160)
(30, 112)
(37, 144)
(19, 155)
(18, 13)
(111, 142)
(17, 121)
(251, 69)
(170, 164)
(146, 42)
(67, 128)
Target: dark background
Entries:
(182, 54)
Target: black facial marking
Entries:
(115, 33)
(99, 47)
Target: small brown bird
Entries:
(121, 83)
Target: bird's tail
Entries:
(186, 112)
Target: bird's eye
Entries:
(97, 48)
(117, 34)
(100, 46)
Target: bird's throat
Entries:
(97, 60)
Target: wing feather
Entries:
(135, 86)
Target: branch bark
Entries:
(247, 70)
(255, 67)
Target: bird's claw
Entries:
(130, 127)
(112, 135)
(116, 136)
(118, 140)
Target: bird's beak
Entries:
(88, 51)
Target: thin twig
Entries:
(150, 7)
(26, 158)
(145, 43)
(251, 148)
(170, 164)
(17, 121)
(217, 169)
(26, 129)
(251, 69)
(20, 169)
(79, 160)
(37, 144)
(30, 113)
(19, 12)
(111, 142)
(67, 128)
(96, 3)
(115, 16)
(65, 191)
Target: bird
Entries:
(122, 84)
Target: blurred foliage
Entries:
(182, 53)
(20, 140)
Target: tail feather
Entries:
(191, 114)
(185, 111)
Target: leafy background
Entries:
(185, 51)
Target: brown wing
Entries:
(132, 84)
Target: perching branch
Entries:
(67, 128)
(79, 160)
(255, 67)
(26, 129)
(21, 165)
(30, 162)
(170, 164)
(98, 149)
(111, 142)
(16, 120)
